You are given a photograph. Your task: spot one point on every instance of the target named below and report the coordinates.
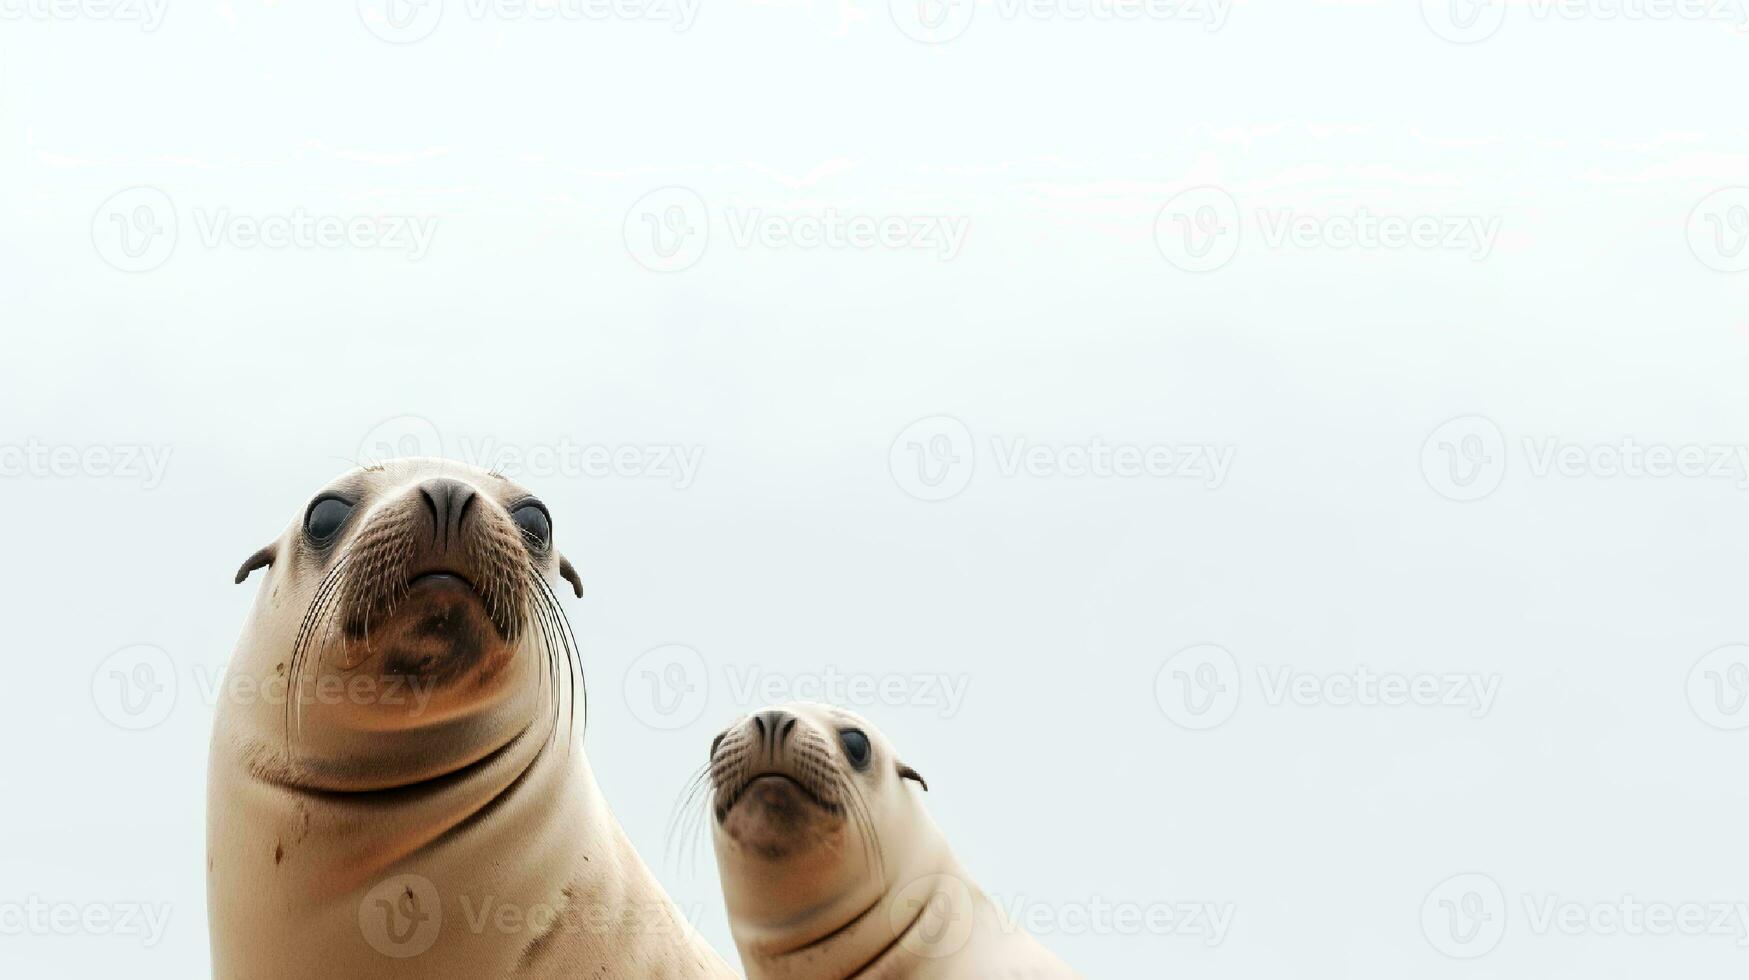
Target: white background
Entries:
(1604, 309)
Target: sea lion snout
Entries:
(775, 726)
(436, 545)
(436, 582)
(447, 501)
(778, 785)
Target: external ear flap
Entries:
(260, 559)
(906, 772)
(570, 575)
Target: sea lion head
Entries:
(813, 816)
(409, 621)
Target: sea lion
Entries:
(395, 788)
(832, 868)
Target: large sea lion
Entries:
(395, 788)
(833, 869)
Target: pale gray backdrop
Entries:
(1411, 650)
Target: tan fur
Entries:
(831, 872)
(450, 830)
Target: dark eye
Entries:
(533, 520)
(325, 518)
(855, 747)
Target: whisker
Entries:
(310, 626)
(682, 825)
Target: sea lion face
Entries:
(804, 794)
(417, 595)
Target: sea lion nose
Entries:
(448, 502)
(774, 726)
